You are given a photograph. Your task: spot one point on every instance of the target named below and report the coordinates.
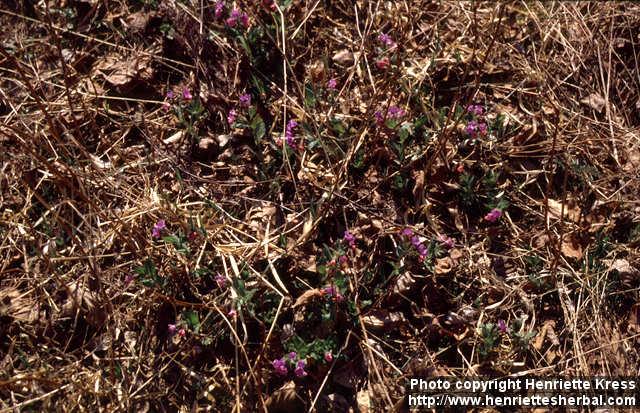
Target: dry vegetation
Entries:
(104, 309)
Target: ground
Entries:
(298, 206)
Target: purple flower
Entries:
(219, 9)
(166, 106)
(289, 133)
(244, 20)
(157, 228)
(502, 326)
(379, 117)
(386, 40)
(331, 84)
(328, 357)
(395, 112)
(407, 232)
(293, 355)
(236, 15)
(280, 366)
(471, 128)
(300, 369)
(446, 241)
(493, 215)
(475, 109)
(231, 116)
(171, 328)
(350, 239)
(343, 259)
(221, 281)
(186, 94)
(170, 94)
(245, 100)
(330, 290)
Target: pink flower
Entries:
(493, 215)
(186, 94)
(383, 64)
(395, 112)
(289, 133)
(158, 228)
(386, 40)
(166, 106)
(407, 232)
(343, 259)
(331, 84)
(231, 116)
(446, 241)
(328, 357)
(330, 290)
(232, 313)
(221, 281)
(293, 355)
(219, 9)
(171, 328)
(128, 280)
(299, 371)
(280, 366)
(182, 332)
(170, 94)
(350, 239)
(245, 100)
(475, 109)
(502, 326)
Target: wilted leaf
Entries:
(343, 57)
(571, 247)
(119, 71)
(595, 101)
(570, 212)
(307, 297)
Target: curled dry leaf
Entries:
(343, 57)
(571, 247)
(307, 297)
(570, 211)
(594, 101)
(547, 331)
(379, 320)
(121, 72)
(285, 399)
(404, 283)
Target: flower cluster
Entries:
(245, 100)
(417, 244)
(221, 280)
(386, 40)
(502, 326)
(170, 96)
(289, 134)
(173, 329)
(493, 215)
(394, 113)
(332, 291)
(446, 240)
(332, 84)
(235, 17)
(158, 228)
(476, 126)
(350, 239)
(283, 364)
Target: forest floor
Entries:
(297, 206)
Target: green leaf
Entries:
(192, 319)
(309, 96)
(258, 127)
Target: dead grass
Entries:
(91, 161)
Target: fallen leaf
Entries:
(285, 399)
(570, 211)
(308, 296)
(364, 401)
(444, 265)
(343, 57)
(595, 101)
(404, 283)
(119, 71)
(571, 247)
